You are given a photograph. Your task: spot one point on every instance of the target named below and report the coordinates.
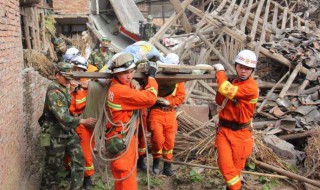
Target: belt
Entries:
(163, 108)
(233, 125)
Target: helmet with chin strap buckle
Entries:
(122, 62)
(247, 58)
(80, 62)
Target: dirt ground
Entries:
(190, 178)
(186, 178)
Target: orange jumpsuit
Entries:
(122, 100)
(163, 124)
(78, 103)
(235, 143)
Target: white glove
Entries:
(218, 67)
(163, 101)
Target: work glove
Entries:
(135, 84)
(218, 67)
(163, 101)
(151, 69)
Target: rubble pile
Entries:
(288, 73)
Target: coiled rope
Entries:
(96, 107)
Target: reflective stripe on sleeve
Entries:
(142, 150)
(153, 91)
(114, 106)
(168, 151)
(233, 181)
(175, 90)
(253, 101)
(157, 152)
(89, 168)
(81, 100)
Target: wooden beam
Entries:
(169, 22)
(274, 20)
(207, 87)
(256, 20)
(270, 92)
(226, 62)
(284, 18)
(26, 32)
(290, 80)
(184, 20)
(245, 18)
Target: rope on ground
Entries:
(216, 168)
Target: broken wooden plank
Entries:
(184, 20)
(189, 89)
(290, 80)
(270, 92)
(246, 16)
(207, 87)
(284, 18)
(169, 22)
(256, 19)
(226, 62)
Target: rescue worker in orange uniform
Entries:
(163, 124)
(123, 100)
(78, 103)
(234, 140)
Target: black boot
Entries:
(155, 167)
(140, 163)
(87, 183)
(167, 169)
(68, 176)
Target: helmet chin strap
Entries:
(242, 78)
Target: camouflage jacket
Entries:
(57, 119)
(60, 56)
(149, 31)
(98, 59)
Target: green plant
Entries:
(252, 165)
(50, 25)
(195, 177)
(154, 180)
(267, 184)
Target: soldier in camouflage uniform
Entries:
(149, 28)
(61, 126)
(100, 56)
(60, 47)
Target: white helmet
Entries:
(70, 53)
(80, 62)
(122, 62)
(172, 58)
(247, 58)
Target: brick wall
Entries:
(71, 7)
(21, 101)
(11, 97)
(34, 89)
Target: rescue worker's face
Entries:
(62, 80)
(62, 48)
(243, 72)
(125, 77)
(78, 69)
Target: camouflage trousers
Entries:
(54, 160)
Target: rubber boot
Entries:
(87, 183)
(155, 167)
(167, 169)
(140, 163)
(68, 176)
